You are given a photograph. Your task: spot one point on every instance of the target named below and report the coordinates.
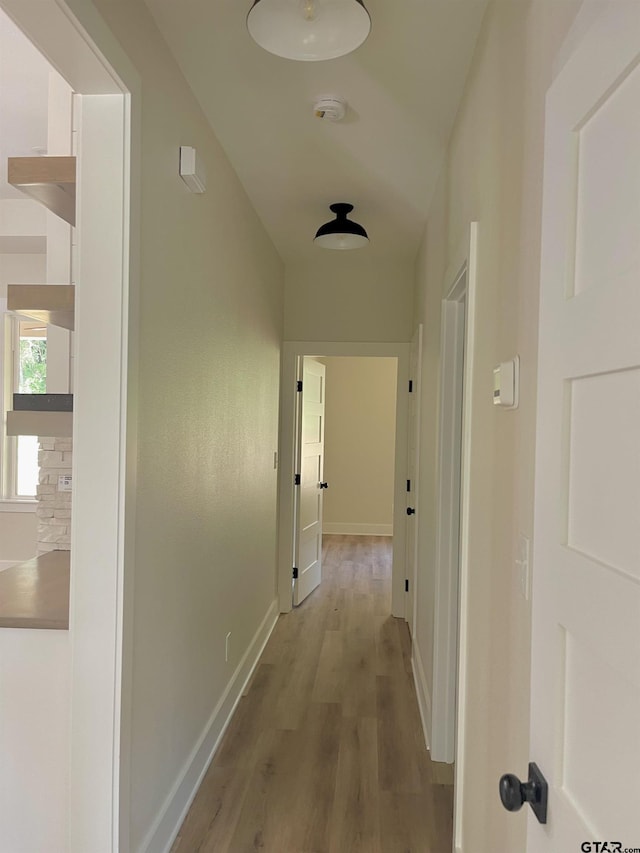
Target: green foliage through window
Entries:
(33, 366)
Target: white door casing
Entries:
(463, 270)
(78, 43)
(449, 485)
(292, 351)
(585, 696)
(413, 467)
(309, 493)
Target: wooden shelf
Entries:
(55, 424)
(35, 594)
(49, 180)
(52, 304)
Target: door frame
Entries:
(291, 352)
(413, 474)
(461, 271)
(77, 42)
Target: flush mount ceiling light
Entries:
(309, 30)
(341, 233)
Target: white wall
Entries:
(209, 347)
(360, 414)
(34, 740)
(493, 175)
(18, 529)
(349, 296)
(18, 268)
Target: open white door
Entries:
(308, 533)
(585, 707)
(413, 466)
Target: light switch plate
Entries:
(64, 483)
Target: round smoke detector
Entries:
(330, 108)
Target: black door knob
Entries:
(324, 485)
(514, 793)
(410, 510)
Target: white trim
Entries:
(357, 529)
(422, 692)
(78, 43)
(6, 564)
(169, 819)
(448, 532)
(291, 352)
(8, 505)
(465, 509)
(413, 473)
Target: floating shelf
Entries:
(52, 304)
(55, 424)
(49, 180)
(43, 402)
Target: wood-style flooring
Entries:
(325, 752)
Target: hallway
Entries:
(325, 752)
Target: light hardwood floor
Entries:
(325, 752)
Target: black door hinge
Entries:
(406, 584)
(295, 574)
(299, 385)
(411, 386)
(296, 480)
(408, 485)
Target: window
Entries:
(24, 371)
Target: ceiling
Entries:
(403, 86)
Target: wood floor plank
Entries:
(355, 825)
(325, 752)
(399, 768)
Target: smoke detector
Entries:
(330, 107)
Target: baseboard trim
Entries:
(164, 829)
(422, 692)
(6, 564)
(354, 529)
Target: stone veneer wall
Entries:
(54, 506)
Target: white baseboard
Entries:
(422, 692)
(165, 827)
(6, 564)
(353, 529)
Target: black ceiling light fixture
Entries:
(341, 233)
(309, 30)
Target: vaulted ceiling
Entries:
(403, 87)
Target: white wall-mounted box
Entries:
(191, 170)
(506, 384)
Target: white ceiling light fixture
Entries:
(309, 30)
(341, 233)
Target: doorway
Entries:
(90, 659)
(344, 480)
(293, 352)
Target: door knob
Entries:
(324, 485)
(514, 793)
(410, 510)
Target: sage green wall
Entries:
(493, 175)
(359, 444)
(349, 296)
(211, 307)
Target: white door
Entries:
(413, 466)
(585, 707)
(308, 544)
